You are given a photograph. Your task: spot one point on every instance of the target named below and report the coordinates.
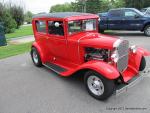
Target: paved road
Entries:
(27, 89)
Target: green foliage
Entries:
(13, 50)
(93, 6)
(78, 6)
(117, 4)
(61, 8)
(22, 31)
(12, 16)
(17, 14)
(28, 17)
(7, 20)
(137, 3)
(9, 23)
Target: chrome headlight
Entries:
(133, 48)
(115, 56)
(117, 43)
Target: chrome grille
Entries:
(123, 49)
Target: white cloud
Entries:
(37, 6)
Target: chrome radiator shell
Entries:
(123, 53)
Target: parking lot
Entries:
(25, 88)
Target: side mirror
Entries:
(137, 16)
(57, 24)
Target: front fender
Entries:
(143, 51)
(135, 58)
(106, 70)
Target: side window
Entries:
(56, 28)
(41, 26)
(115, 13)
(129, 13)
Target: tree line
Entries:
(96, 6)
(12, 16)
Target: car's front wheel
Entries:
(98, 86)
(36, 57)
(147, 30)
(142, 64)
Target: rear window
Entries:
(115, 13)
(41, 26)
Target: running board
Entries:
(55, 68)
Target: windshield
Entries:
(81, 25)
(139, 12)
(143, 10)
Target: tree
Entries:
(137, 3)
(66, 7)
(7, 20)
(17, 13)
(93, 6)
(146, 3)
(28, 17)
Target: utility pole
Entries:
(84, 6)
(83, 3)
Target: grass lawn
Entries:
(12, 50)
(22, 31)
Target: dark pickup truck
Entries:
(124, 19)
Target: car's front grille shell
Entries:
(123, 51)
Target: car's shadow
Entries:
(75, 83)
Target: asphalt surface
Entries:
(25, 88)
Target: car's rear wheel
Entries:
(147, 30)
(142, 64)
(36, 57)
(98, 86)
(101, 31)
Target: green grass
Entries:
(12, 50)
(22, 31)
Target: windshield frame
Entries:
(96, 30)
(139, 12)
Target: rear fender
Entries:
(101, 67)
(41, 53)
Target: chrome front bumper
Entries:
(124, 87)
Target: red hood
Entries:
(97, 40)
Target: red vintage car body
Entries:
(68, 51)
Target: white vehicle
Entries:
(146, 11)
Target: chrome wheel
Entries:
(95, 85)
(35, 57)
(148, 31)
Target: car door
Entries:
(132, 20)
(56, 40)
(115, 19)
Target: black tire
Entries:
(147, 30)
(101, 31)
(39, 62)
(108, 85)
(142, 64)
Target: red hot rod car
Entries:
(69, 43)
